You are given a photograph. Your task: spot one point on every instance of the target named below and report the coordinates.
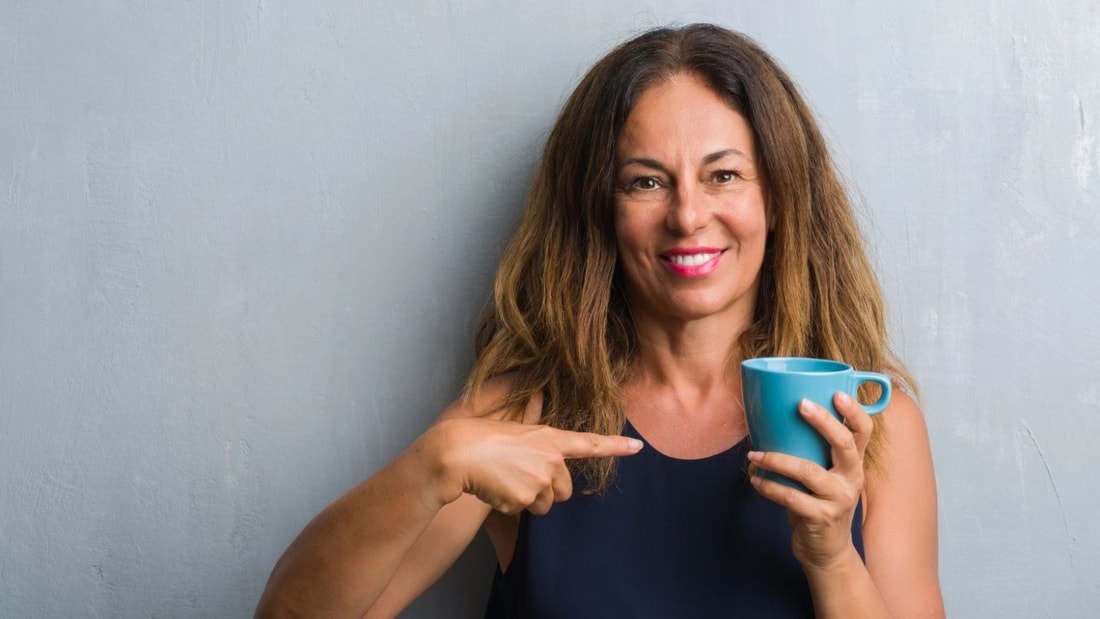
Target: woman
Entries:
(685, 216)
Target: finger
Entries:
(810, 474)
(562, 484)
(846, 451)
(591, 445)
(795, 500)
(508, 508)
(855, 417)
(543, 501)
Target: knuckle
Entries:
(808, 470)
(594, 441)
(847, 441)
(545, 477)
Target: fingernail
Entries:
(755, 481)
(806, 407)
(634, 443)
(755, 456)
(843, 398)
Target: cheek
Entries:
(633, 238)
(754, 222)
(629, 230)
(758, 227)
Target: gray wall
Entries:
(243, 245)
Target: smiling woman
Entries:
(689, 207)
(685, 216)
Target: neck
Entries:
(684, 394)
(690, 355)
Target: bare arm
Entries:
(899, 578)
(344, 558)
(443, 541)
(381, 544)
(900, 530)
(437, 548)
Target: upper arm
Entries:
(453, 527)
(900, 528)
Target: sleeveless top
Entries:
(669, 538)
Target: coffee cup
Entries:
(772, 388)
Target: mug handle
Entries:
(858, 378)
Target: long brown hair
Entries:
(558, 323)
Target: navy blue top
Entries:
(669, 538)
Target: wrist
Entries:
(841, 565)
(842, 587)
(431, 453)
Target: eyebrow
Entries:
(709, 159)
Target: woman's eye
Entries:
(725, 176)
(645, 183)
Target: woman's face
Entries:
(689, 206)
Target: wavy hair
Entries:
(558, 323)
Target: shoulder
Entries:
(491, 402)
(903, 408)
(904, 473)
(904, 431)
(905, 447)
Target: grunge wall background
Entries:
(243, 246)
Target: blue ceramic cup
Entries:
(772, 387)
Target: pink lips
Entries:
(692, 261)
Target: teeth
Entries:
(691, 260)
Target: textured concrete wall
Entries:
(243, 245)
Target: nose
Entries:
(688, 211)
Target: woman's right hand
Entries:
(511, 466)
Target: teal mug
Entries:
(772, 387)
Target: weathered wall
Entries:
(243, 245)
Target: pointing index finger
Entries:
(592, 445)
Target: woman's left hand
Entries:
(822, 521)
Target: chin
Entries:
(699, 309)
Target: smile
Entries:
(692, 264)
(692, 260)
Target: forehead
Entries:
(683, 117)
